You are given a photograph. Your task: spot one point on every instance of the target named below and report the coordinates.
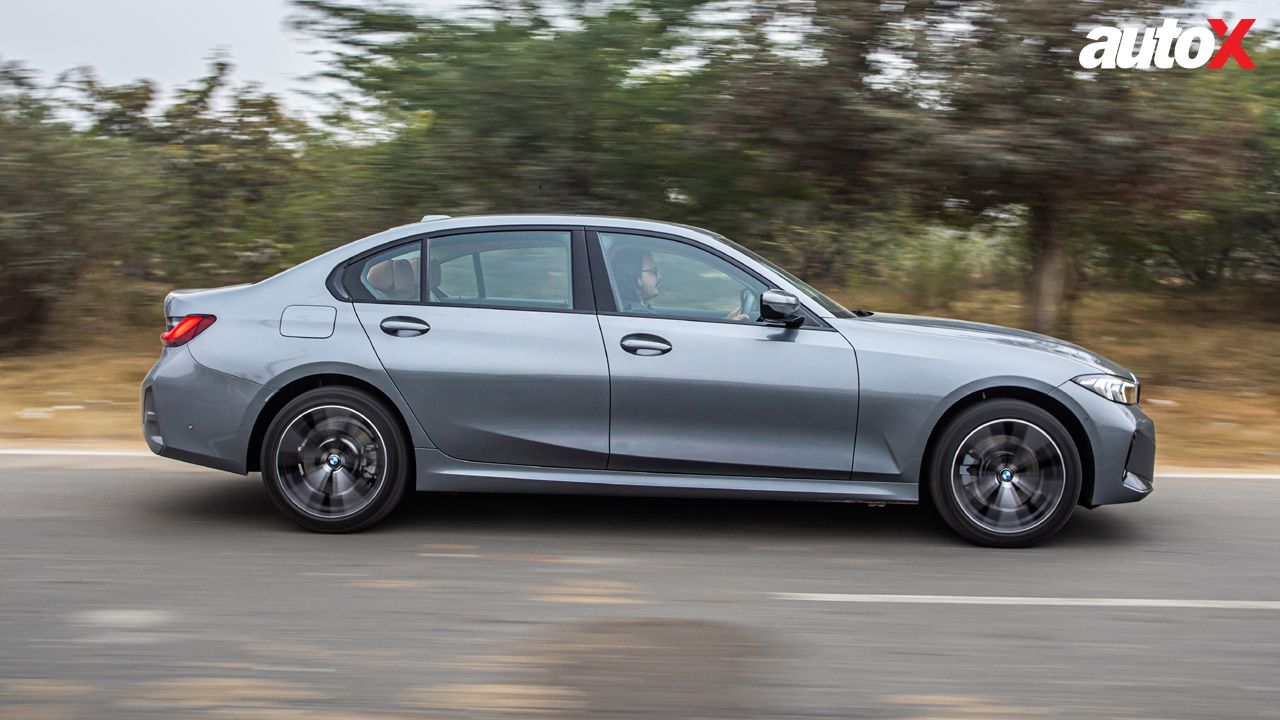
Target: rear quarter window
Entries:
(392, 276)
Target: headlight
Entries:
(1111, 387)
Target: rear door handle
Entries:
(401, 326)
(643, 344)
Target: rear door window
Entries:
(526, 269)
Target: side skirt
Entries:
(440, 473)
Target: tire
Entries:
(1005, 473)
(334, 460)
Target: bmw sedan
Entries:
(576, 354)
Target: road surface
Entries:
(140, 587)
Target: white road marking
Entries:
(125, 627)
(1184, 474)
(1031, 601)
(55, 452)
(124, 618)
(448, 555)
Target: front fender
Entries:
(910, 379)
(895, 427)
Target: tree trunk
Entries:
(1046, 291)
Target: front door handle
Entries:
(401, 326)
(643, 344)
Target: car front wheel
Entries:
(1005, 473)
(334, 460)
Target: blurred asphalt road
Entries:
(139, 587)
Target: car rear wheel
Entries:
(334, 460)
(1005, 473)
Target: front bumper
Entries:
(1123, 443)
(198, 415)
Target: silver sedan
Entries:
(576, 354)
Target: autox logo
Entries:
(1166, 45)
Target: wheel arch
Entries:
(1034, 396)
(303, 384)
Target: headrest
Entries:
(381, 277)
(406, 278)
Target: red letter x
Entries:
(1231, 45)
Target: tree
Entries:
(123, 111)
(686, 111)
(513, 112)
(820, 127)
(233, 159)
(1020, 123)
(67, 202)
(1231, 230)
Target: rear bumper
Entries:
(1123, 443)
(198, 415)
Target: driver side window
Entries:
(656, 276)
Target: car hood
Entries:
(964, 330)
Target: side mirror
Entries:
(778, 307)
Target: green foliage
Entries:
(931, 146)
(515, 115)
(1020, 123)
(66, 202)
(1232, 232)
(936, 269)
(232, 161)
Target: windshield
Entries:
(830, 305)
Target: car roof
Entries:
(437, 223)
(390, 235)
(433, 223)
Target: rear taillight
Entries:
(185, 329)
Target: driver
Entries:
(638, 280)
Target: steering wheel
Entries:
(750, 304)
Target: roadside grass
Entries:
(82, 396)
(1211, 380)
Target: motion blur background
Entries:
(938, 157)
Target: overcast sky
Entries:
(169, 40)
